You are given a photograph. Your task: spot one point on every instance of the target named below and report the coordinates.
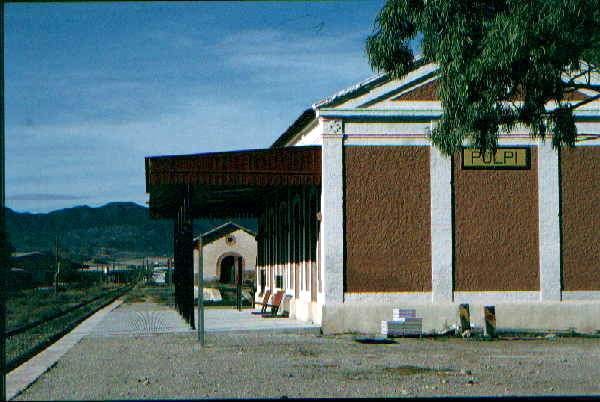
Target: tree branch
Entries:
(593, 87)
(573, 106)
(583, 102)
(588, 71)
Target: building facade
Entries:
(222, 250)
(358, 214)
(397, 224)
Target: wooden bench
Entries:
(275, 306)
(264, 303)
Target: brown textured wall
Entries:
(580, 171)
(426, 92)
(496, 228)
(387, 215)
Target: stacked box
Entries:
(399, 313)
(402, 327)
(404, 323)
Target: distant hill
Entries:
(117, 228)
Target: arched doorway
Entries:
(227, 267)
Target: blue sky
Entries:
(91, 89)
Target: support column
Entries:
(201, 295)
(187, 278)
(288, 240)
(176, 260)
(441, 227)
(183, 253)
(333, 211)
(238, 281)
(549, 222)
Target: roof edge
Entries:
(364, 86)
(221, 227)
(302, 121)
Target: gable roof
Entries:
(366, 86)
(223, 230)
(412, 96)
(358, 89)
(340, 97)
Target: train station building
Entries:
(358, 214)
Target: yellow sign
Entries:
(505, 158)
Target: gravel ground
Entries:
(274, 365)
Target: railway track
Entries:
(25, 341)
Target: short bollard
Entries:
(489, 313)
(465, 318)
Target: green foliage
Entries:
(31, 306)
(491, 54)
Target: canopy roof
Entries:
(226, 183)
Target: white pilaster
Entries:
(441, 227)
(332, 212)
(548, 221)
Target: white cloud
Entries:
(271, 55)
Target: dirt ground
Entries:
(250, 365)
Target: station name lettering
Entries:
(504, 158)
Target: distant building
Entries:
(39, 265)
(223, 249)
(18, 278)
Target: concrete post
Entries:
(489, 314)
(441, 227)
(332, 205)
(465, 317)
(549, 222)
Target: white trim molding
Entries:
(388, 298)
(384, 141)
(581, 295)
(427, 113)
(485, 297)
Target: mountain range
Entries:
(114, 230)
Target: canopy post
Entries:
(201, 296)
(239, 283)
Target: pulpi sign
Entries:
(504, 158)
